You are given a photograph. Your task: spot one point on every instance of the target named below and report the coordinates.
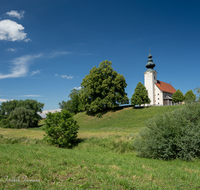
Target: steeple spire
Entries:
(150, 65)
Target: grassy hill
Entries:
(103, 158)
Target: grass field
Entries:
(103, 158)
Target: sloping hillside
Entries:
(127, 119)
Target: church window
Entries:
(158, 98)
(158, 93)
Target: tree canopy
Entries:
(103, 88)
(189, 96)
(177, 96)
(74, 104)
(6, 108)
(140, 95)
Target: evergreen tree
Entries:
(177, 96)
(190, 96)
(103, 88)
(140, 95)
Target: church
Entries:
(160, 93)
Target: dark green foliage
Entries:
(22, 118)
(65, 105)
(73, 105)
(61, 129)
(32, 105)
(103, 88)
(140, 95)
(173, 135)
(177, 97)
(189, 96)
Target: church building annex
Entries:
(160, 93)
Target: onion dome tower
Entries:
(150, 65)
(150, 78)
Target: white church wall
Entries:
(158, 96)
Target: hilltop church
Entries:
(160, 93)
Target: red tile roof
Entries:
(165, 87)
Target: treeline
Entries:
(20, 113)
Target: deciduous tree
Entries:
(189, 96)
(103, 88)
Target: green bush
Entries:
(172, 135)
(61, 129)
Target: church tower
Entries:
(150, 78)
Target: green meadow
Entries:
(103, 157)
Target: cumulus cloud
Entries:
(12, 31)
(20, 66)
(35, 72)
(64, 76)
(43, 114)
(77, 88)
(16, 14)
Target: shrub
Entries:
(172, 135)
(61, 129)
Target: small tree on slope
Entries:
(177, 96)
(140, 95)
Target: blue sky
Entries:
(47, 47)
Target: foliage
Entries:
(177, 96)
(103, 88)
(65, 105)
(197, 90)
(189, 96)
(7, 107)
(172, 135)
(73, 105)
(22, 118)
(140, 95)
(61, 129)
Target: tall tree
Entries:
(177, 96)
(140, 95)
(103, 88)
(189, 96)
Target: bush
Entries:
(172, 135)
(61, 129)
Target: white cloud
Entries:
(5, 100)
(12, 49)
(12, 31)
(68, 77)
(77, 88)
(31, 95)
(64, 76)
(55, 54)
(43, 114)
(20, 67)
(17, 14)
(35, 72)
